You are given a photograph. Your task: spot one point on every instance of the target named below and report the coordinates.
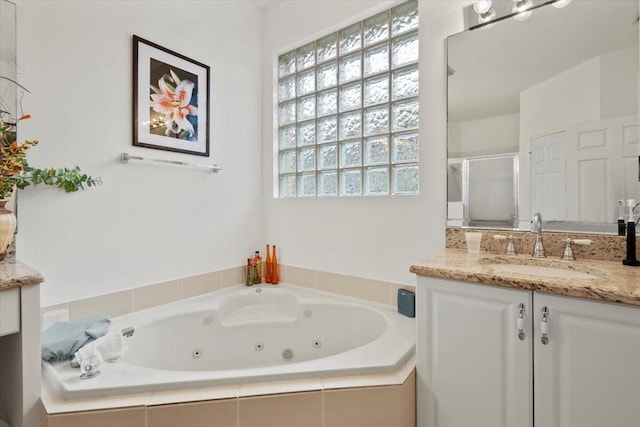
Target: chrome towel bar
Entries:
(126, 157)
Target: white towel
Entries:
(108, 348)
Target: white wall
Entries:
(487, 136)
(375, 237)
(146, 223)
(619, 83)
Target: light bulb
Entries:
(561, 3)
(487, 16)
(521, 9)
(482, 6)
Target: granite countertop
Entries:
(614, 282)
(14, 274)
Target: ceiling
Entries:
(493, 65)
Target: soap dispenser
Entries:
(631, 259)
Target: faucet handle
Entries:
(581, 242)
(510, 249)
(567, 254)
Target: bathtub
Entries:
(242, 335)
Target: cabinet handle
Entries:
(520, 322)
(544, 326)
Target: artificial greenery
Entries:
(15, 171)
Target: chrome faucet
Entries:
(536, 225)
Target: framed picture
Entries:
(170, 100)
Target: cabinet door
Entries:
(588, 373)
(472, 368)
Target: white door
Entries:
(547, 176)
(602, 167)
(472, 367)
(588, 373)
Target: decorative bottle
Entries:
(257, 265)
(275, 275)
(249, 281)
(269, 267)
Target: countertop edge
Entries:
(619, 288)
(14, 274)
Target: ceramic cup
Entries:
(473, 241)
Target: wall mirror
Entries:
(543, 117)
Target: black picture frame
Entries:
(171, 95)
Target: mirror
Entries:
(542, 117)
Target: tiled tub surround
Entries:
(131, 300)
(605, 247)
(365, 401)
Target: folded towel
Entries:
(109, 348)
(63, 339)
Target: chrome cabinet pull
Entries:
(544, 326)
(520, 322)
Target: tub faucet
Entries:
(536, 225)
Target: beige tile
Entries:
(220, 413)
(276, 387)
(301, 276)
(331, 282)
(409, 401)
(60, 316)
(63, 306)
(372, 290)
(44, 418)
(110, 305)
(285, 410)
(394, 292)
(134, 417)
(194, 395)
(160, 293)
(282, 269)
(364, 407)
(232, 276)
(200, 284)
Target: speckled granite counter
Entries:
(14, 274)
(614, 282)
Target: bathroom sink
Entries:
(537, 270)
(546, 267)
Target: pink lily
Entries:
(174, 104)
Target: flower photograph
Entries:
(171, 100)
(174, 108)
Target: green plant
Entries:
(15, 171)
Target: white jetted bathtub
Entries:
(242, 335)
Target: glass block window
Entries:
(348, 110)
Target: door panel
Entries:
(473, 370)
(588, 375)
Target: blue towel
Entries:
(63, 339)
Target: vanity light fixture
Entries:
(521, 9)
(561, 3)
(482, 6)
(487, 16)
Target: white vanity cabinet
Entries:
(588, 373)
(474, 370)
(9, 311)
